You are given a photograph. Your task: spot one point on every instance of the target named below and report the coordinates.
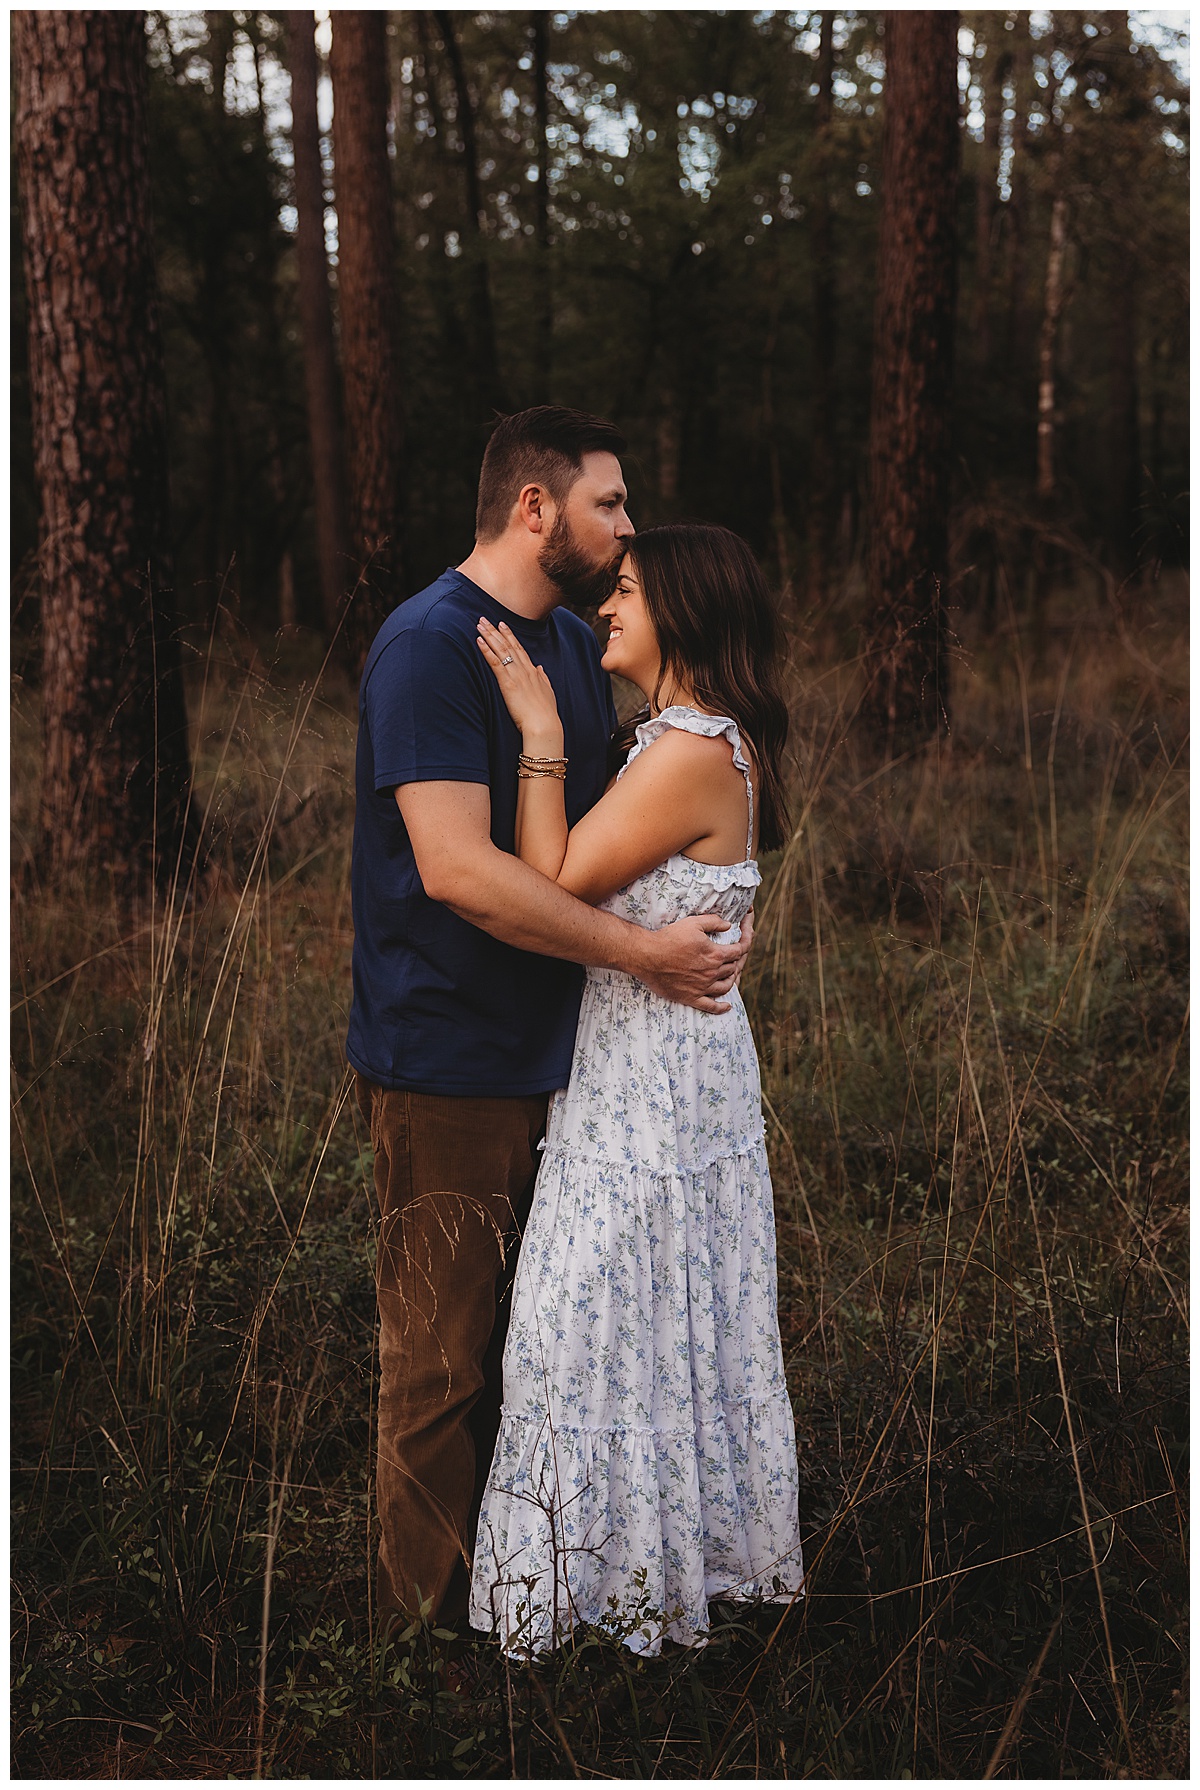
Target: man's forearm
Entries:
(519, 906)
(463, 868)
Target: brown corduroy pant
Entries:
(453, 1178)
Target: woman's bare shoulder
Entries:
(675, 748)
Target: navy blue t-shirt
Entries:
(441, 1007)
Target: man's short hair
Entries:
(543, 446)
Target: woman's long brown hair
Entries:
(718, 632)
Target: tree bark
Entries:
(823, 477)
(1025, 97)
(995, 72)
(487, 363)
(221, 571)
(455, 344)
(367, 299)
(116, 776)
(1048, 340)
(1123, 457)
(220, 42)
(543, 329)
(668, 437)
(770, 432)
(909, 439)
(1161, 363)
(267, 267)
(316, 321)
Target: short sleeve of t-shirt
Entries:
(424, 708)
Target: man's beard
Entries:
(583, 583)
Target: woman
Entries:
(646, 1462)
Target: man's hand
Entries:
(686, 962)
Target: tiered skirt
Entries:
(646, 1462)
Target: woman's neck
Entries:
(670, 695)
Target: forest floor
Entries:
(969, 993)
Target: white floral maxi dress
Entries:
(646, 1461)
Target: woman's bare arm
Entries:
(540, 836)
(664, 802)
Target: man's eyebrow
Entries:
(617, 491)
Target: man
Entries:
(466, 985)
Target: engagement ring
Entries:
(508, 660)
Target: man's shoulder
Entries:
(438, 610)
(441, 605)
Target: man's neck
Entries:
(520, 585)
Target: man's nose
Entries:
(625, 528)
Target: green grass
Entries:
(969, 996)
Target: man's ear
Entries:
(535, 508)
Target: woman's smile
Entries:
(632, 648)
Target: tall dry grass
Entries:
(969, 995)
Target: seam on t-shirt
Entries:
(458, 635)
(451, 773)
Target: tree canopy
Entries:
(663, 179)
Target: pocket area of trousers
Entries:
(389, 1120)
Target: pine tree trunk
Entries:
(668, 442)
(1124, 461)
(1123, 457)
(770, 433)
(220, 534)
(996, 64)
(1048, 340)
(543, 329)
(367, 301)
(490, 396)
(823, 476)
(316, 321)
(267, 268)
(909, 439)
(220, 42)
(1161, 363)
(456, 348)
(116, 776)
(1026, 98)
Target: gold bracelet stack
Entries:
(542, 767)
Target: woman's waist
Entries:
(730, 906)
(621, 983)
(682, 889)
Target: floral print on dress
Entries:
(646, 1462)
